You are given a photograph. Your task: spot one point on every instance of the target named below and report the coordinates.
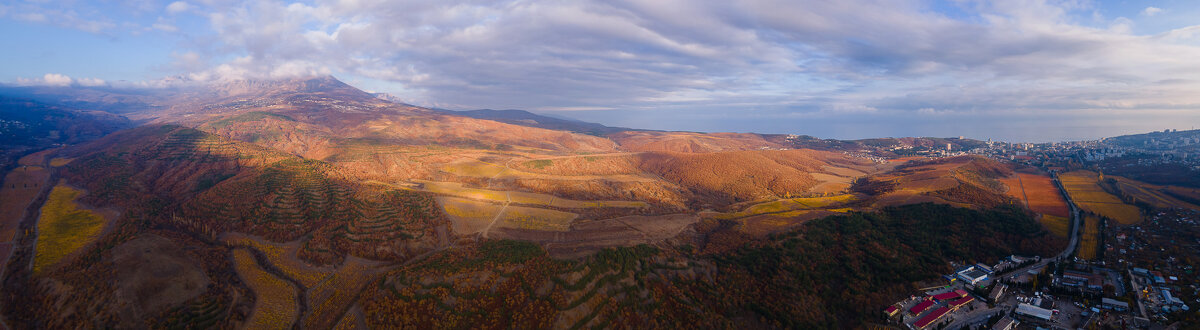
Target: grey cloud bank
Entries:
(1018, 70)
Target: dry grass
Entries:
(275, 306)
(1085, 190)
(1060, 226)
(64, 227)
(1089, 243)
(536, 219)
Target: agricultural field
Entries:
(1038, 193)
(1085, 190)
(483, 169)
(329, 300)
(1157, 196)
(60, 161)
(1089, 243)
(1059, 226)
(457, 190)
(21, 186)
(468, 216)
(789, 204)
(276, 304)
(282, 256)
(64, 227)
(535, 219)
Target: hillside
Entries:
(309, 203)
(526, 118)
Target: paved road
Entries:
(1075, 223)
(976, 317)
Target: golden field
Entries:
(1059, 226)
(63, 227)
(1089, 243)
(275, 304)
(1087, 193)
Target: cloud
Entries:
(852, 58)
(178, 7)
(60, 80)
(54, 79)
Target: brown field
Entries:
(21, 186)
(1060, 226)
(1084, 189)
(1089, 243)
(1038, 192)
(276, 303)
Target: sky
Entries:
(1014, 70)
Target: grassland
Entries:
(536, 219)
(1085, 190)
(21, 186)
(64, 227)
(275, 306)
(1059, 226)
(1089, 243)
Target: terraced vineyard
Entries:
(1089, 243)
(1086, 192)
(276, 300)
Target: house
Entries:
(950, 295)
(891, 311)
(997, 292)
(1006, 323)
(1114, 304)
(920, 307)
(1034, 312)
(972, 275)
(926, 321)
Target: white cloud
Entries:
(1151, 11)
(91, 82)
(178, 7)
(54, 79)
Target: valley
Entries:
(308, 203)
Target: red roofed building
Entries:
(932, 317)
(959, 303)
(920, 307)
(951, 295)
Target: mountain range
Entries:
(310, 203)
